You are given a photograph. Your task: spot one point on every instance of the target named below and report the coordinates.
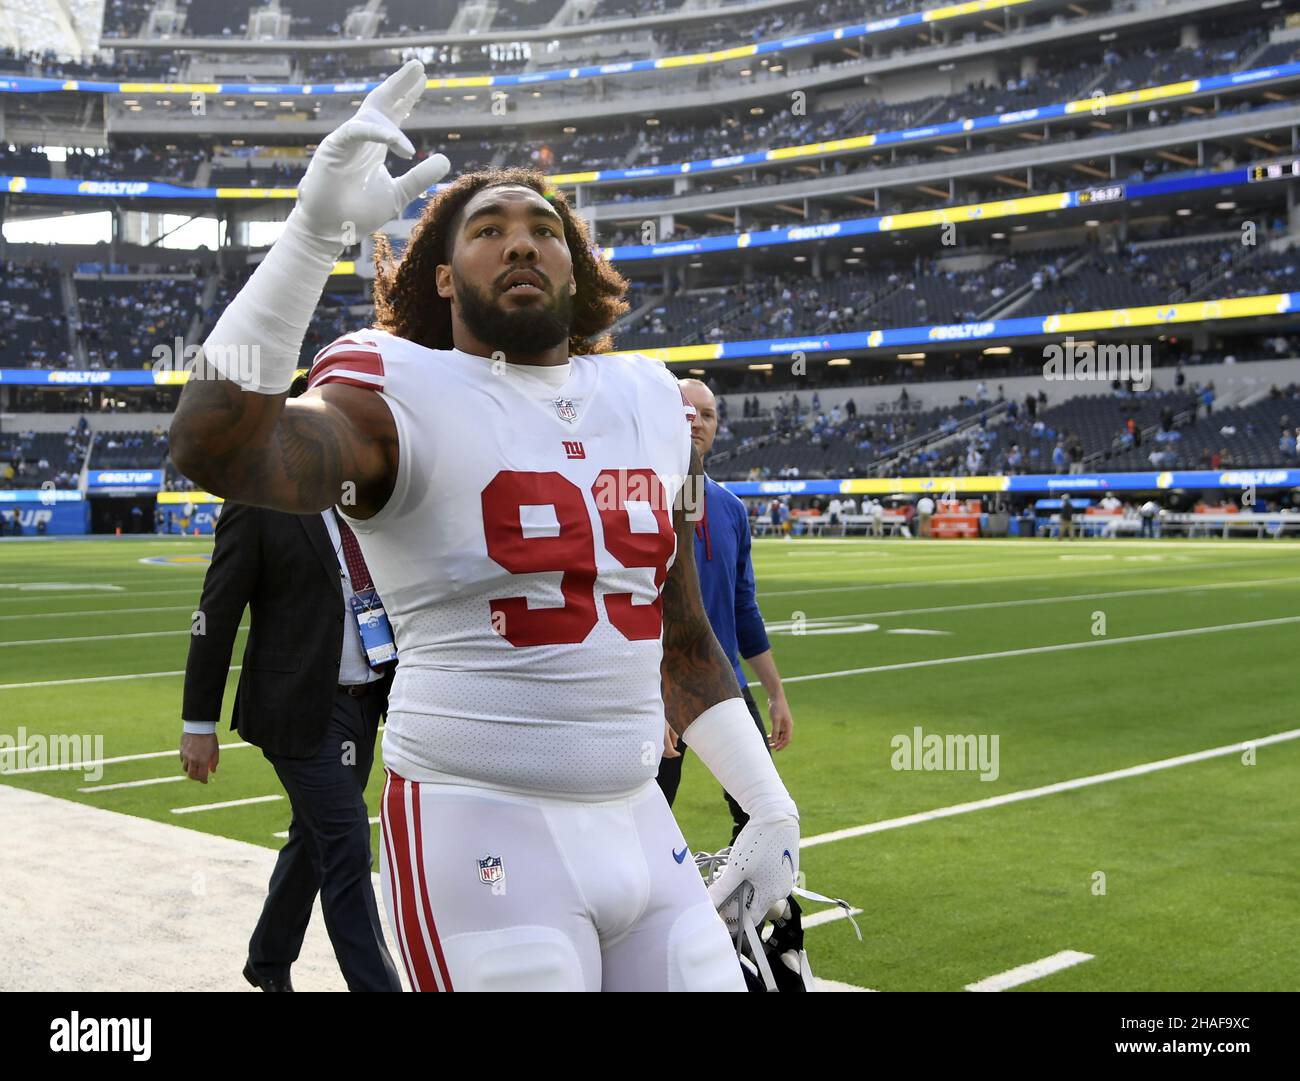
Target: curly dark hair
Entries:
(408, 305)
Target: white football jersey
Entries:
(520, 559)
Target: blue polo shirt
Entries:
(722, 558)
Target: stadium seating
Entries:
(119, 319)
(33, 327)
(139, 162)
(35, 459)
(129, 450)
(518, 14)
(126, 18)
(123, 320)
(1236, 436)
(823, 445)
(24, 161)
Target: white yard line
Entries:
(830, 915)
(121, 758)
(101, 637)
(1031, 650)
(1023, 543)
(284, 836)
(134, 784)
(44, 598)
(1110, 572)
(1048, 789)
(224, 804)
(99, 679)
(1035, 970)
(132, 758)
(99, 612)
(1063, 598)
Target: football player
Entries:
(524, 506)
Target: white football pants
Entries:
(492, 891)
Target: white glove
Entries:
(766, 852)
(765, 855)
(345, 193)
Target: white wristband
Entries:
(727, 741)
(256, 341)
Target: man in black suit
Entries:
(311, 698)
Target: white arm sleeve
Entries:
(256, 341)
(727, 741)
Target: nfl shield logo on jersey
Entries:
(491, 870)
(566, 409)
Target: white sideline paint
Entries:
(224, 804)
(1030, 650)
(1047, 789)
(1035, 970)
(122, 903)
(174, 752)
(134, 784)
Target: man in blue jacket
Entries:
(722, 558)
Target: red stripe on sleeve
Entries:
(345, 362)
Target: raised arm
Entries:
(234, 431)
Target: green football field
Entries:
(1065, 662)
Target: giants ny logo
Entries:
(573, 449)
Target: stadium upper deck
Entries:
(1046, 128)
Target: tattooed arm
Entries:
(291, 455)
(695, 671)
(702, 701)
(240, 437)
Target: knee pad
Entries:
(514, 959)
(701, 955)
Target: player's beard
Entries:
(524, 330)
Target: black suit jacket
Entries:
(282, 567)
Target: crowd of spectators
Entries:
(30, 459)
(123, 323)
(33, 329)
